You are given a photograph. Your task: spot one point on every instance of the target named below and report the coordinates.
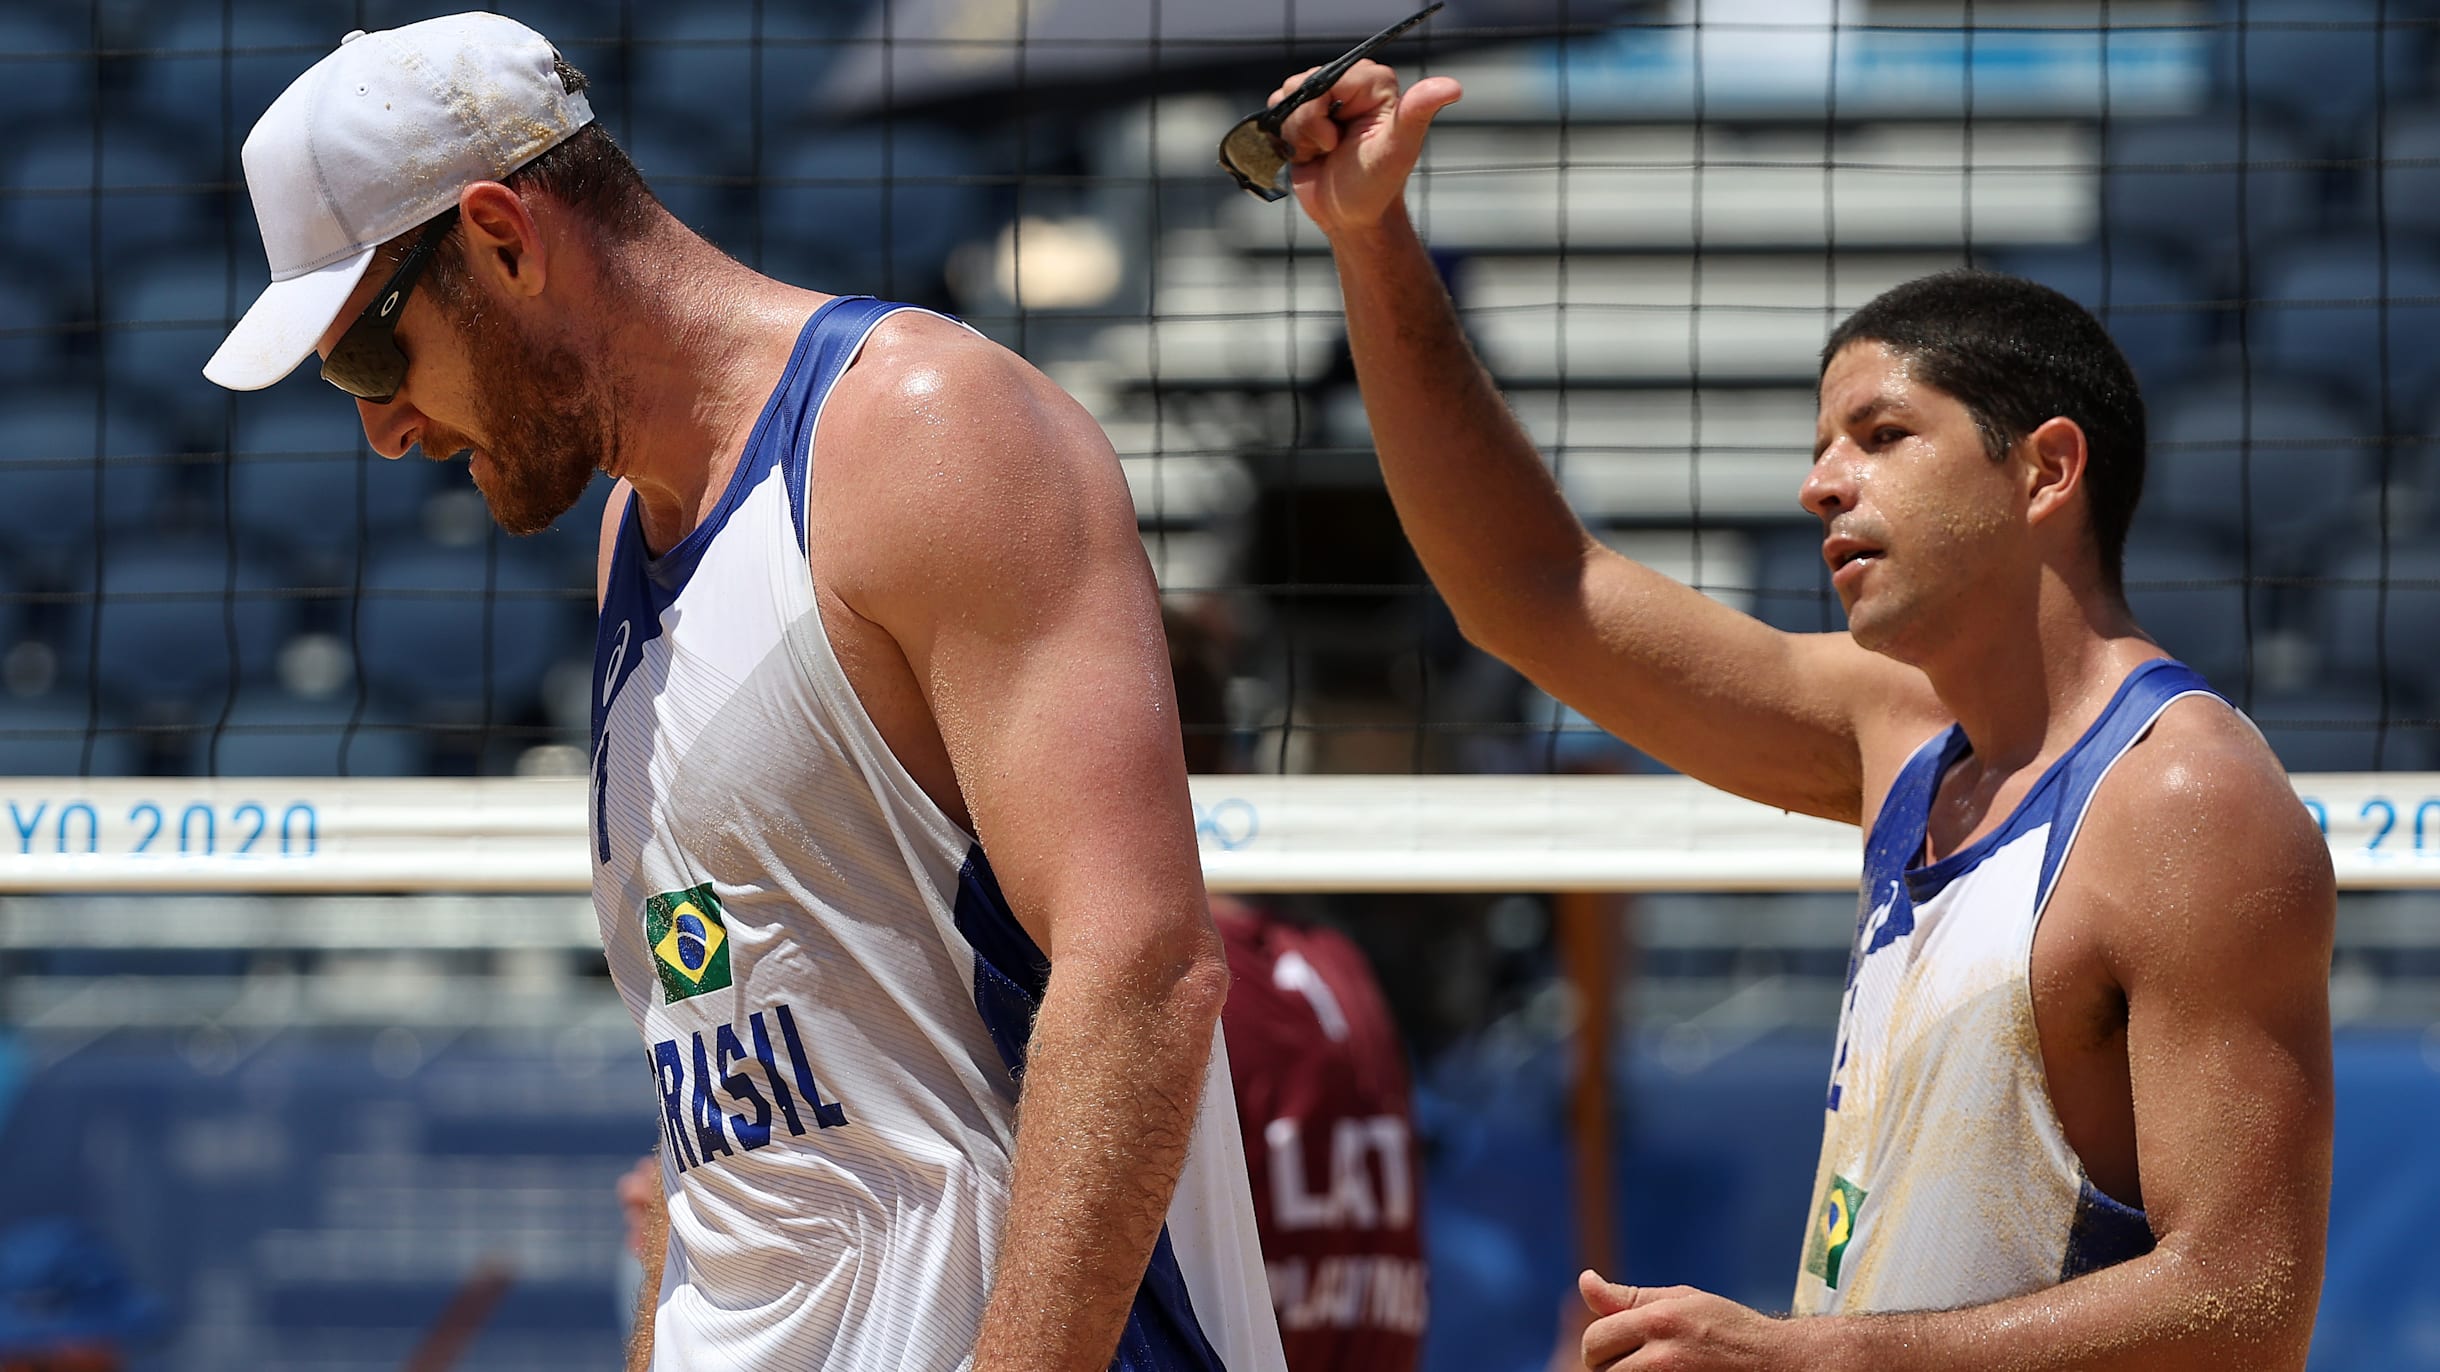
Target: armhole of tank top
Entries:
(2033, 926)
(830, 678)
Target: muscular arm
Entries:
(1717, 694)
(2220, 907)
(995, 544)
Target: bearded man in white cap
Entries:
(888, 813)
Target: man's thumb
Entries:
(1604, 1297)
(1425, 99)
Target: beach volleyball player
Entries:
(2079, 1114)
(888, 810)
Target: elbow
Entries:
(1201, 986)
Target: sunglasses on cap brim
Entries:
(367, 362)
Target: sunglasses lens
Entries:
(366, 363)
(1256, 157)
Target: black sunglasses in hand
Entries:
(366, 361)
(1253, 151)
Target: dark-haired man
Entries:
(2079, 1116)
(888, 813)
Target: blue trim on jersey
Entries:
(2064, 789)
(1010, 976)
(851, 320)
(2103, 1234)
(640, 587)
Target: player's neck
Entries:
(694, 344)
(2027, 681)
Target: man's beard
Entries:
(545, 432)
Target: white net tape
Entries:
(1258, 833)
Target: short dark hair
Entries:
(2017, 354)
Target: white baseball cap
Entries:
(371, 141)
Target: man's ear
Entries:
(503, 243)
(2054, 457)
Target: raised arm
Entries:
(2219, 917)
(991, 537)
(1774, 716)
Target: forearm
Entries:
(1113, 1078)
(1482, 510)
(2164, 1312)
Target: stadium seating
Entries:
(166, 623)
(683, 161)
(837, 230)
(2316, 60)
(47, 486)
(49, 737)
(146, 197)
(41, 87)
(303, 478)
(179, 75)
(2317, 312)
(2156, 312)
(26, 350)
(2174, 184)
(2191, 597)
(180, 306)
(2364, 630)
(2338, 728)
(1792, 583)
(422, 629)
(2409, 185)
(2277, 458)
(274, 734)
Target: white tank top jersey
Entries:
(834, 996)
(1945, 1179)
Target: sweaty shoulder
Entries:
(2200, 818)
(941, 444)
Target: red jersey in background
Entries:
(1323, 1099)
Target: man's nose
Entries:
(390, 427)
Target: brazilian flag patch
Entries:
(690, 948)
(1833, 1226)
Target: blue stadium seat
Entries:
(844, 232)
(59, 86)
(26, 350)
(2152, 308)
(2277, 462)
(2318, 312)
(2190, 596)
(273, 734)
(2174, 184)
(678, 153)
(421, 627)
(167, 614)
(2339, 730)
(47, 491)
(1792, 583)
(181, 306)
(2314, 60)
(48, 738)
(149, 195)
(2410, 173)
(179, 77)
(2353, 611)
(303, 478)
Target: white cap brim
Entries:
(283, 324)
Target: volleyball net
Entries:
(1649, 214)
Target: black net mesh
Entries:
(1650, 215)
